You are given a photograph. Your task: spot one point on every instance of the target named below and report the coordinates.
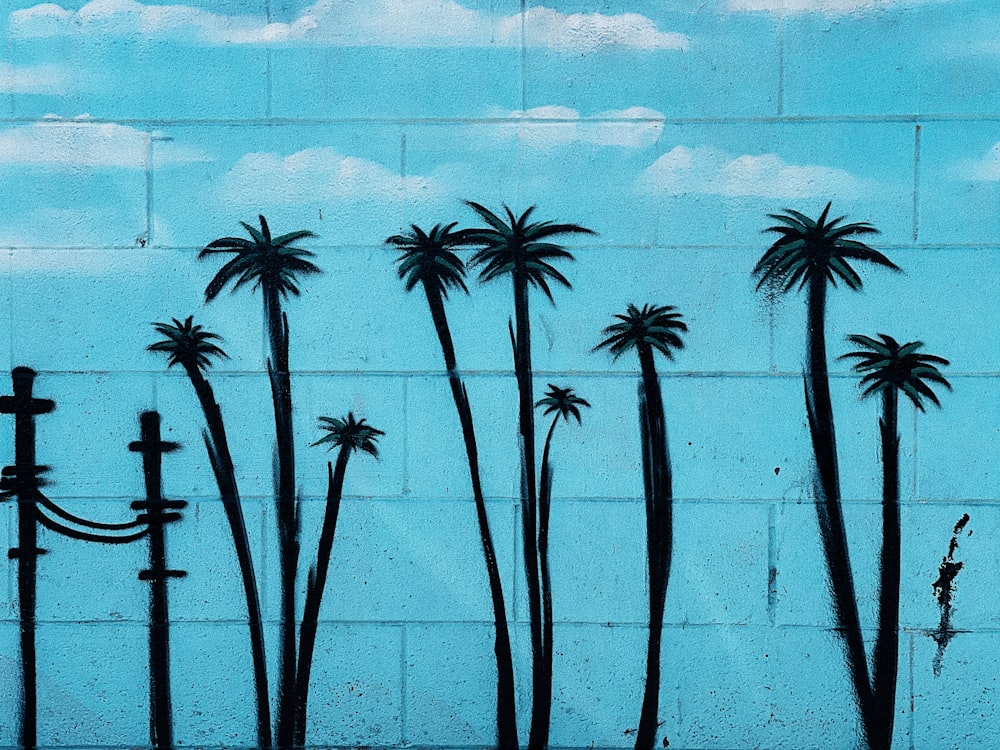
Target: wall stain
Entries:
(944, 592)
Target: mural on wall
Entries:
(721, 572)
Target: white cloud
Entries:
(320, 174)
(705, 170)
(76, 143)
(388, 23)
(553, 126)
(38, 79)
(826, 7)
(984, 169)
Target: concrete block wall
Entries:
(132, 134)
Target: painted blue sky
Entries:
(668, 127)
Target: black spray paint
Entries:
(944, 592)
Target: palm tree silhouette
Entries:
(888, 367)
(193, 348)
(515, 247)
(649, 330)
(350, 435)
(428, 259)
(810, 254)
(564, 403)
(274, 264)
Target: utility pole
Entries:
(156, 512)
(22, 480)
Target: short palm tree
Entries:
(273, 265)
(564, 403)
(193, 348)
(811, 253)
(523, 249)
(888, 368)
(428, 259)
(649, 330)
(349, 435)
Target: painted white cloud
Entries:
(553, 126)
(826, 7)
(388, 23)
(710, 171)
(320, 174)
(71, 144)
(38, 79)
(984, 169)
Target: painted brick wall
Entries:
(134, 134)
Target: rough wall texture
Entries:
(135, 134)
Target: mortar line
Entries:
(781, 61)
(149, 189)
(524, 58)
(772, 563)
(403, 689)
(913, 701)
(268, 87)
(916, 181)
(405, 490)
(402, 173)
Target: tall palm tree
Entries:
(564, 403)
(520, 248)
(350, 435)
(810, 253)
(274, 264)
(192, 347)
(649, 330)
(428, 259)
(888, 367)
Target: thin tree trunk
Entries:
(544, 508)
(828, 505)
(538, 736)
(506, 705)
(288, 531)
(221, 459)
(885, 661)
(658, 482)
(314, 592)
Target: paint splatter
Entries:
(944, 592)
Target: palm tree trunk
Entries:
(544, 507)
(217, 445)
(540, 692)
(506, 706)
(828, 505)
(658, 482)
(288, 531)
(314, 592)
(886, 655)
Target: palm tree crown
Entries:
(350, 432)
(273, 263)
(429, 258)
(187, 344)
(654, 326)
(819, 249)
(563, 401)
(886, 363)
(515, 246)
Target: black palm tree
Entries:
(350, 435)
(428, 259)
(193, 348)
(522, 249)
(812, 253)
(274, 264)
(648, 330)
(888, 368)
(564, 403)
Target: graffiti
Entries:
(944, 592)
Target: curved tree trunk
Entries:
(314, 593)
(217, 445)
(544, 508)
(658, 483)
(506, 705)
(828, 505)
(541, 687)
(288, 526)
(885, 661)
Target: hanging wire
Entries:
(84, 536)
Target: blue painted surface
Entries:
(132, 134)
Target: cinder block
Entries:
(406, 560)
